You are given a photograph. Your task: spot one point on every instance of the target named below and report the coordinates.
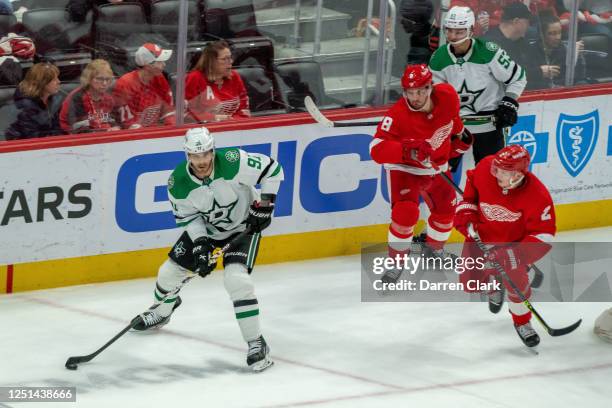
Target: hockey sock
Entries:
(241, 290)
(169, 276)
(520, 314)
(164, 309)
(399, 243)
(438, 231)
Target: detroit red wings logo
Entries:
(495, 212)
(440, 135)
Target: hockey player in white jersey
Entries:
(487, 80)
(213, 197)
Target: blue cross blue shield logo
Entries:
(576, 139)
(524, 133)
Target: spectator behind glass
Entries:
(90, 107)
(415, 20)
(549, 53)
(213, 90)
(487, 12)
(143, 96)
(510, 34)
(594, 16)
(38, 102)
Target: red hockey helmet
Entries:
(512, 158)
(416, 76)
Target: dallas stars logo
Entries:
(467, 97)
(219, 214)
(179, 250)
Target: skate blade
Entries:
(533, 350)
(259, 366)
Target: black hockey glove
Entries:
(260, 217)
(506, 113)
(202, 251)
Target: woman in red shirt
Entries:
(90, 107)
(213, 90)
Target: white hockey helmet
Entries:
(459, 17)
(198, 140)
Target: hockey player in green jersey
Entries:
(213, 197)
(487, 80)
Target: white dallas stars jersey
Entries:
(218, 206)
(481, 77)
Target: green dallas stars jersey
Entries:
(481, 78)
(218, 206)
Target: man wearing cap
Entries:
(510, 33)
(143, 96)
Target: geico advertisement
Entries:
(97, 199)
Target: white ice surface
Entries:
(330, 349)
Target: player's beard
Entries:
(421, 106)
(202, 170)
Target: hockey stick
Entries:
(316, 114)
(73, 362)
(538, 275)
(553, 332)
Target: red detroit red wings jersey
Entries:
(205, 99)
(524, 214)
(403, 125)
(143, 104)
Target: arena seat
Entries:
(597, 57)
(263, 96)
(299, 79)
(7, 23)
(57, 39)
(165, 16)
(120, 29)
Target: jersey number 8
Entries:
(386, 123)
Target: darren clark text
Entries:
(424, 284)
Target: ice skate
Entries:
(528, 335)
(426, 249)
(391, 276)
(151, 319)
(258, 356)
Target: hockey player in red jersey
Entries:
(506, 203)
(414, 141)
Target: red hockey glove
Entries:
(419, 151)
(467, 213)
(506, 256)
(461, 143)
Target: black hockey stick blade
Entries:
(551, 331)
(538, 276)
(316, 114)
(74, 361)
(563, 331)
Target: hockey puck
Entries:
(71, 366)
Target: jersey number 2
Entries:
(546, 214)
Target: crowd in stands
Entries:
(533, 32)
